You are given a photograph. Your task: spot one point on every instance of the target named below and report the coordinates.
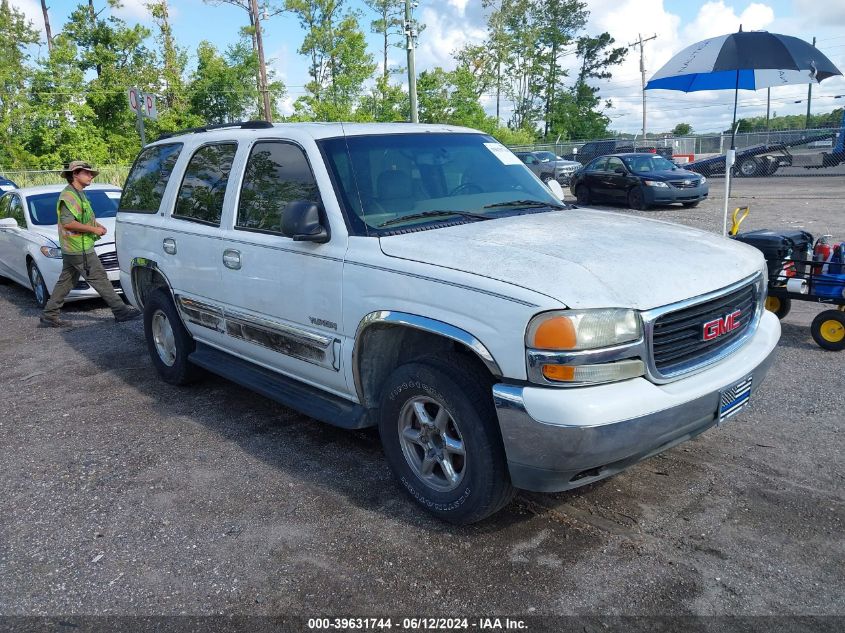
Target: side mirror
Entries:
(620, 170)
(301, 221)
(8, 223)
(555, 188)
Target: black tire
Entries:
(36, 282)
(748, 167)
(546, 178)
(828, 330)
(174, 368)
(636, 199)
(582, 194)
(690, 205)
(480, 484)
(779, 305)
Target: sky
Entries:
(449, 24)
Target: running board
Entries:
(309, 400)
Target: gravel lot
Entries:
(122, 495)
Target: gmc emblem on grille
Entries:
(723, 325)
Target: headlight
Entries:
(703, 180)
(52, 252)
(573, 330)
(654, 183)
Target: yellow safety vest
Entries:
(80, 208)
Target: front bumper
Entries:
(667, 195)
(558, 439)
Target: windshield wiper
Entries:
(435, 214)
(526, 204)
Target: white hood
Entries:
(51, 232)
(585, 258)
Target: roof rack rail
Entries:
(244, 125)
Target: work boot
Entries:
(127, 315)
(53, 322)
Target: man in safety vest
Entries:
(78, 230)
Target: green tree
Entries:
(389, 24)
(558, 22)
(340, 63)
(682, 129)
(579, 113)
(62, 125)
(223, 88)
(120, 59)
(16, 33)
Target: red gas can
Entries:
(821, 253)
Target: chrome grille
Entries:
(689, 183)
(678, 337)
(109, 260)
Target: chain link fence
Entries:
(109, 175)
(804, 152)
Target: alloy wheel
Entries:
(432, 443)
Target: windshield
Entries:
(546, 156)
(648, 162)
(384, 178)
(42, 207)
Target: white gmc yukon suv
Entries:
(420, 278)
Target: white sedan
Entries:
(29, 238)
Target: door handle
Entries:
(232, 259)
(169, 245)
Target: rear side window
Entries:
(146, 182)
(276, 174)
(201, 195)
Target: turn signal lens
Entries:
(591, 374)
(53, 253)
(582, 329)
(559, 373)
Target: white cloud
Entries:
(32, 11)
(447, 29)
(715, 18)
(133, 10)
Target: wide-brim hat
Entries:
(76, 165)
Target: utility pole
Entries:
(809, 97)
(262, 69)
(640, 43)
(410, 36)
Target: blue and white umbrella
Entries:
(742, 61)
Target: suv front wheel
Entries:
(441, 439)
(168, 342)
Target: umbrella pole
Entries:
(730, 158)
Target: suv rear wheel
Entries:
(168, 342)
(441, 438)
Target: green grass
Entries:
(111, 175)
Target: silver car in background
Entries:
(563, 169)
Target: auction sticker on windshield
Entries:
(503, 153)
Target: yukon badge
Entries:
(722, 325)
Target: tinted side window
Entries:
(614, 163)
(598, 164)
(146, 182)
(4, 206)
(201, 195)
(276, 174)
